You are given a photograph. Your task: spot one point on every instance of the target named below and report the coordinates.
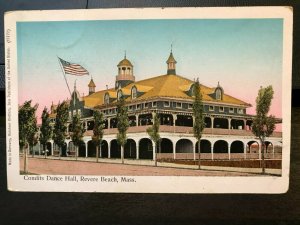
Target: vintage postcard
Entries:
(172, 100)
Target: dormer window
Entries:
(219, 92)
(106, 98)
(119, 94)
(133, 92)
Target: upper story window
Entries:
(221, 109)
(138, 106)
(231, 110)
(218, 94)
(240, 111)
(166, 104)
(146, 104)
(133, 92)
(154, 104)
(178, 105)
(106, 98)
(119, 94)
(190, 106)
(211, 108)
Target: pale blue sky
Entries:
(243, 54)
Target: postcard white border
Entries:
(148, 184)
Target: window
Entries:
(130, 108)
(218, 94)
(221, 109)
(146, 105)
(190, 106)
(231, 110)
(240, 111)
(166, 104)
(106, 99)
(211, 108)
(119, 94)
(154, 104)
(138, 106)
(178, 105)
(133, 92)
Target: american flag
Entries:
(73, 68)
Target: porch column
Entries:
(228, 146)
(85, 125)
(108, 123)
(86, 149)
(39, 143)
(212, 151)
(273, 150)
(137, 151)
(136, 119)
(245, 150)
(259, 151)
(52, 150)
(109, 145)
(194, 150)
(174, 119)
(154, 150)
(212, 122)
(174, 150)
(68, 128)
(229, 123)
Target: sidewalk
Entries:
(151, 163)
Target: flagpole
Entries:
(62, 69)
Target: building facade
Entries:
(227, 135)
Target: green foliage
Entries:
(199, 124)
(263, 125)
(46, 129)
(27, 124)
(153, 131)
(60, 127)
(99, 126)
(122, 122)
(77, 130)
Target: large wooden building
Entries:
(228, 126)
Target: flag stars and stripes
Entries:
(73, 68)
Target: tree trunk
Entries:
(59, 152)
(122, 153)
(45, 150)
(25, 160)
(263, 157)
(199, 161)
(155, 154)
(32, 151)
(97, 153)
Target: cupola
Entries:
(125, 73)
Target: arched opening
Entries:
(145, 149)
(132, 121)
(90, 125)
(145, 119)
(221, 123)
(237, 124)
(115, 149)
(71, 149)
(237, 147)
(253, 147)
(104, 149)
(249, 124)
(269, 147)
(166, 119)
(205, 146)
(220, 146)
(70, 128)
(207, 121)
(183, 120)
(81, 150)
(48, 148)
(91, 149)
(113, 123)
(130, 149)
(166, 145)
(64, 150)
(184, 146)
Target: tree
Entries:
(27, 128)
(199, 124)
(153, 132)
(98, 131)
(46, 130)
(77, 133)
(122, 125)
(263, 125)
(60, 126)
